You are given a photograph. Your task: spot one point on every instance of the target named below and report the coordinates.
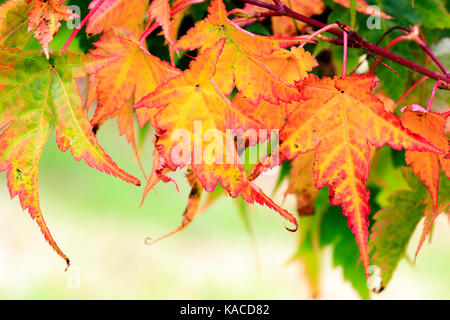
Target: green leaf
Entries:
(427, 13)
(394, 226)
(37, 96)
(14, 24)
(395, 85)
(309, 251)
(352, 14)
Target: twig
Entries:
(355, 40)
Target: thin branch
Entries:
(355, 40)
(78, 28)
(433, 92)
(409, 90)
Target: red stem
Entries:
(430, 103)
(344, 60)
(78, 28)
(315, 34)
(389, 45)
(177, 8)
(409, 90)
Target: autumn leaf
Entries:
(340, 119)
(44, 18)
(130, 74)
(116, 13)
(270, 116)
(289, 66)
(160, 11)
(14, 23)
(127, 74)
(427, 165)
(430, 214)
(192, 207)
(36, 97)
(192, 103)
(240, 62)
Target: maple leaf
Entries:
(427, 165)
(239, 63)
(44, 18)
(270, 116)
(129, 74)
(430, 214)
(192, 207)
(126, 74)
(14, 23)
(174, 27)
(36, 97)
(289, 66)
(340, 119)
(116, 13)
(160, 11)
(394, 226)
(193, 99)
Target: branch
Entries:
(355, 40)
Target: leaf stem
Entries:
(389, 45)
(315, 34)
(344, 60)
(436, 85)
(177, 8)
(409, 90)
(78, 28)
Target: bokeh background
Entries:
(96, 220)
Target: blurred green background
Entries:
(96, 221)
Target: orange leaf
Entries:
(269, 115)
(160, 11)
(289, 66)
(129, 74)
(340, 119)
(44, 18)
(192, 207)
(240, 63)
(116, 13)
(192, 106)
(425, 165)
(36, 99)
